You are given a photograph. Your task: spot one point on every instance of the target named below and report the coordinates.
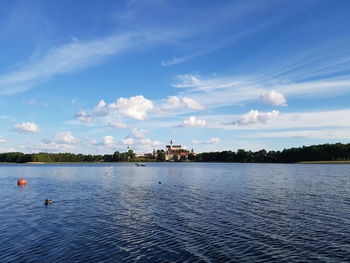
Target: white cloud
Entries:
(308, 134)
(26, 127)
(191, 104)
(145, 142)
(65, 138)
(49, 146)
(137, 139)
(255, 116)
(173, 102)
(100, 109)
(72, 57)
(138, 133)
(177, 60)
(177, 102)
(285, 120)
(188, 81)
(210, 141)
(83, 116)
(117, 125)
(273, 97)
(61, 141)
(193, 122)
(128, 141)
(91, 141)
(234, 90)
(134, 107)
(108, 140)
(2, 140)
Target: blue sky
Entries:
(98, 76)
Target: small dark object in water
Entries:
(140, 165)
(49, 202)
(159, 183)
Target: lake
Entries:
(175, 212)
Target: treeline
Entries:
(18, 157)
(324, 152)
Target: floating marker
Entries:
(21, 182)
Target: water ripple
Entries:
(200, 213)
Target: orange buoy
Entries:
(22, 182)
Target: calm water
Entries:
(199, 213)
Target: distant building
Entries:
(169, 152)
(172, 150)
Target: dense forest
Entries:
(324, 152)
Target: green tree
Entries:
(160, 156)
(191, 157)
(183, 158)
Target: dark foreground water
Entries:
(199, 213)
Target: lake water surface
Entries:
(199, 213)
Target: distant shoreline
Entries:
(304, 162)
(324, 162)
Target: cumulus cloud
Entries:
(192, 104)
(83, 116)
(108, 140)
(61, 141)
(255, 116)
(138, 133)
(137, 107)
(273, 97)
(148, 142)
(26, 127)
(100, 109)
(2, 140)
(176, 102)
(134, 107)
(193, 122)
(65, 138)
(137, 138)
(128, 141)
(210, 141)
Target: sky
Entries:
(100, 76)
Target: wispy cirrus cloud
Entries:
(283, 120)
(210, 141)
(226, 91)
(75, 56)
(79, 55)
(334, 134)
